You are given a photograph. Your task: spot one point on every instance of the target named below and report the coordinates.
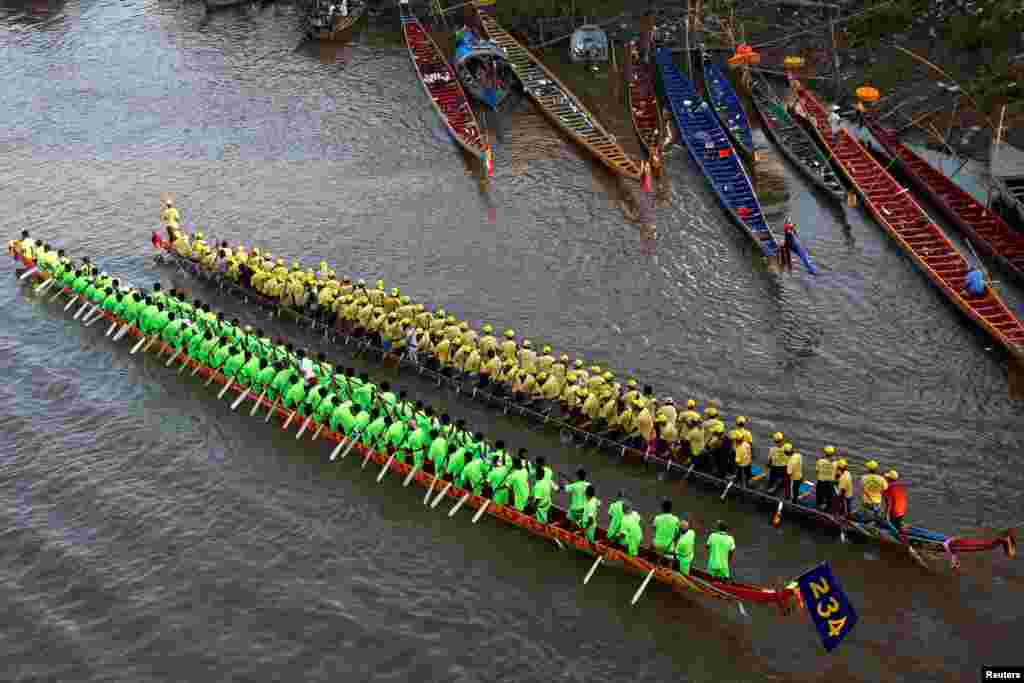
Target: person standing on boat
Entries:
(824, 487)
(873, 486)
(665, 527)
(578, 496)
(542, 491)
(895, 499)
(683, 546)
(794, 472)
(741, 457)
(834, 121)
(631, 533)
(590, 513)
(777, 461)
(615, 512)
(721, 549)
(844, 488)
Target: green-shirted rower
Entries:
(665, 526)
(342, 418)
(396, 438)
(590, 511)
(438, 451)
(496, 480)
(615, 513)
(683, 547)
(721, 548)
(518, 482)
(578, 497)
(631, 532)
(295, 396)
(474, 474)
(543, 489)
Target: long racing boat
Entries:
(711, 150)
(725, 104)
(913, 230)
(642, 99)
(796, 143)
(986, 229)
(915, 538)
(647, 563)
(442, 87)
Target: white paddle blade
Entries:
(257, 404)
(642, 588)
(334, 453)
(302, 431)
(71, 303)
(440, 496)
(430, 491)
(227, 385)
(238, 401)
(408, 477)
(480, 512)
(317, 432)
(111, 329)
(138, 344)
(369, 453)
(289, 421)
(28, 273)
(593, 568)
(462, 501)
(384, 470)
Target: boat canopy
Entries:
(589, 43)
(468, 45)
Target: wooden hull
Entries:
(805, 513)
(556, 100)
(796, 144)
(913, 230)
(710, 148)
(989, 233)
(725, 104)
(647, 562)
(644, 109)
(442, 87)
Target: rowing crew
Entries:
(589, 399)
(365, 412)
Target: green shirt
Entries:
(233, 364)
(249, 371)
(295, 395)
(314, 396)
(396, 434)
(665, 527)
(342, 417)
(519, 482)
(542, 491)
(615, 513)
(590, 509)
(80, 284)
(363, 396)
(159, 322)
(684, 547)
(720, 544)
(282, 380)
(325, 408)
(146, 315)
(206, 349)
(473, 473)
(172, 333)
(361, 422)
(497, 477)
(631, 529)
(438, 453)
(219, 356)
(456, 463)
(577, 494)
(375, 432)
(265, 377)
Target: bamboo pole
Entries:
(995, 158)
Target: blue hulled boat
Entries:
(483, 69)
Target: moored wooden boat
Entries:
(331, 20)
(805, 512)
(1006, 166)
(795, 142)
(442, 87)
(648, 563)
(642, 99)
(711, 150)
(726, 105)
(987, 230)
(913, 230)
(557, 102)
(483, 69)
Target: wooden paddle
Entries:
(593, 568)
(384, 470)
(60, 290)
(289, 420)
(213, 375)
(227, 385)
(273, 409)
(173, 358)
(28, 273)
(412, 473)
(111, 329)
(643, 587)
(138, 345)
(72, 302)
(317, 432)
(241, 397)
(258, 403)
(441, 495)
(480, 512)
(462, 501)
(430, 491)
(302, 431)
(78, 313)
(45, 286)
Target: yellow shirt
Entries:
(776, 457)
(669, 432)
(443, 350)
(872, 487)
(528, 360)
(825, 469)
(592, 406)
(170, 216)
(491, 367)
(795, 467)
(423, 320)
(545, 363)
(645, 424)
(846, 484)
(472, 363)
(437, 326)
(709, 427)
(669, 412)
(488, 344)
(743, 454)
(326, 296)
(696, 439)
(509, 349)
(551, 388)
(609, 408)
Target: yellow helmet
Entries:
(777, 437)
(595, 369)
(830, 450)
(526, 343)
(457, 341)
(741, 421)
(488, 328)
(841, 462)
(199, 235)
(691, 404)
(608, 375)
(394, 291)
(380, 284)
(661, 419)
(631, 384)
(451, 319)
(564, 358)
(280, 261)
(571, 376)
(419, 308)
(547, 349)
(892, 475)
(464, 326)
(509, 334)
(871, 465)
(405, 300)
(542, 376)
(787, 448)
(578, 363)
(736, 435)
(711, 412)
(718, 429)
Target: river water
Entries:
(150, 534)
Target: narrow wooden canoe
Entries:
(558, 528)
(913, 230)
(711, 150)
(805, 512)
(727, 107)
(795, 142)
(333, 28)
(989, 233)
(642, 99)
(442, 86)
(555, 99)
